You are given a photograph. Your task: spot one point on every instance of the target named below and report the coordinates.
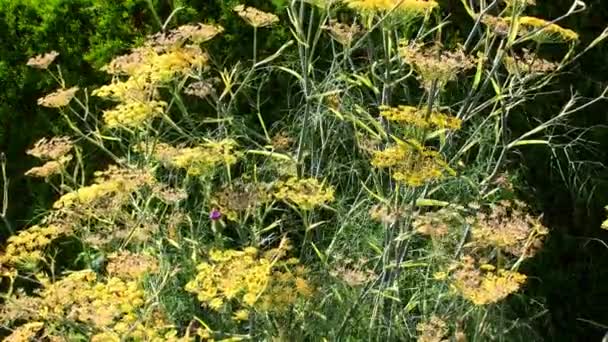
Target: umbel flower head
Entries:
(411, 6)
(197, 161)
(434, 65)
(59, 98)
(411, 163)
(484, 284)
(413, 116)
(262, 281)
(51, 149)
(42, 61)
(305, 193)
(255, 17)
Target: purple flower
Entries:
(215, 215)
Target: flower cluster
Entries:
(255, 17)
(163, 57)
(305, 193)
(435, 224)
(130, 266)
(544, 30)
(409, 6)
(257, 281)
(434, 66)
(241, 197)
(114, 184)
(509, 228)
(342, 33)
(112, 308)
(43, 61)
(413, 116)
(411, 163)
(484, 284)
(59, 98)
(197, 161)
(528, 63)
(27, 247)
(55, 150)
(433, 330)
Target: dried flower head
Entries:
(255, 17)
(43, 61)
(51, 149)
(305, 193)
(410, 115)
(385, 214)
(59, 98)
(130, 266)
(528, 64)
(200, 89)
(49, 168)
(435, 67)
(240, 197)
(281, 141)
(436, 224)
(195, 33)
(343, 33)
(508, 227)
(484, 285)
(433, 330)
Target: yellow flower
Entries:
(59, 98)
(241, 315)
(133, 113)
(419, 117)
(26, 332)
(305, 193)
(411, 6)
(411, 163)
(197, 161)
(548, 28)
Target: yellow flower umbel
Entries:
(409, 115)
(255, 17)
(548, 31)
(197, 161)
(410, 6)
(411, 163)
(261, 282)
(133, 114)
(26, 332)
(27, 247)
(115, 184)
(434, 66)
(59, 98)
(484, 285)
(304, 193)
